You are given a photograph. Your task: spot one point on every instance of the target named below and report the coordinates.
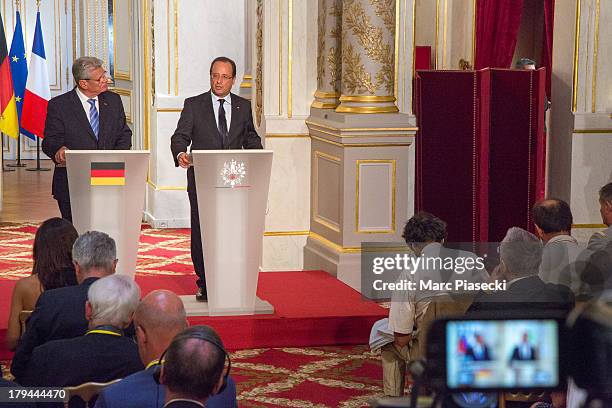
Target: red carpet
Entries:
(311, 308)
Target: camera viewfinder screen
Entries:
(502, 354)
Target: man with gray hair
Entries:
(103, 353)
(600, 240)
(521, 253)
(60, 313)
(89, 117)
(160, 316)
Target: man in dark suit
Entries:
(60, 313)
(193, 368)
(87, 118)
(103, 354)
(521, 254)
(160, 316)
(214, 120)
(478, 351)
(524, 351)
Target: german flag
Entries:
(9, 121)
(107, 174)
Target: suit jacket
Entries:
(93, 357)
(67, 125)
(58, 314)
(470, 352)
(600, 239)
(516, 354)
(197, 128)
(528, 296)
(140, 390)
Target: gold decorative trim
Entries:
(280, 58)
(326, 222)
(444, 28)
(309, 122)
(326, 95)
(396, 48)
(121, 91)
(367, 109)
(74, 30)
(122, 76)
(345, 145)
(595, 56)
(147, 76)
(437, 33)
(167, 188)
(176, 47)
(592, 131)
(290, 60)
(338, 248)
(323, 105)
(367, 98)
(393, 164)
(169, 109)
(168, 41)
(246, 85)
(285, 233)
(247, 77)
(287, 135)
(588, 226)
(474, 33)
(413, 70)
(576, 50)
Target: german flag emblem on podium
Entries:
(107, 174)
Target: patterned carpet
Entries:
(341, 376)
(305, 377)
(160, 252)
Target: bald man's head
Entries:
(158, 318)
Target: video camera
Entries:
(480, 355)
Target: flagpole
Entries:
(5, 169)
(38, 168)
(18, 164)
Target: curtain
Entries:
(547, 46)
(497, 26)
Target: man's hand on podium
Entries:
(184, 160)
(60, 155)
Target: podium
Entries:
(107, 192)
(232, 188)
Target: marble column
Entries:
(368, 56)
(329, 54)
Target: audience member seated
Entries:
(193, 368)
(598, 271)
(412, 311)
(520, 254)
(601, 239)
(553, 222)
(60, 313)
(158, 319)
(52, 255)
(103, 353)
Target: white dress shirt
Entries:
(86, 106)
(227, 105)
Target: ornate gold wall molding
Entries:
(259, 66)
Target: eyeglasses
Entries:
(103, 78)
(223, 77)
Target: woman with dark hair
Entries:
(53, 268)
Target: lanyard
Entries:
(110, 330)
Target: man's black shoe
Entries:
(201, 295)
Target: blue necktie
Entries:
(94, 118)
(223, 125)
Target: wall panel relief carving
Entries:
(368, 58)
(329, 54)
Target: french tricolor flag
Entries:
(37, 92)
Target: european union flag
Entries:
(19, 71)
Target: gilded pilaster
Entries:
(249, 32)
(329, 54)
(368, 56)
